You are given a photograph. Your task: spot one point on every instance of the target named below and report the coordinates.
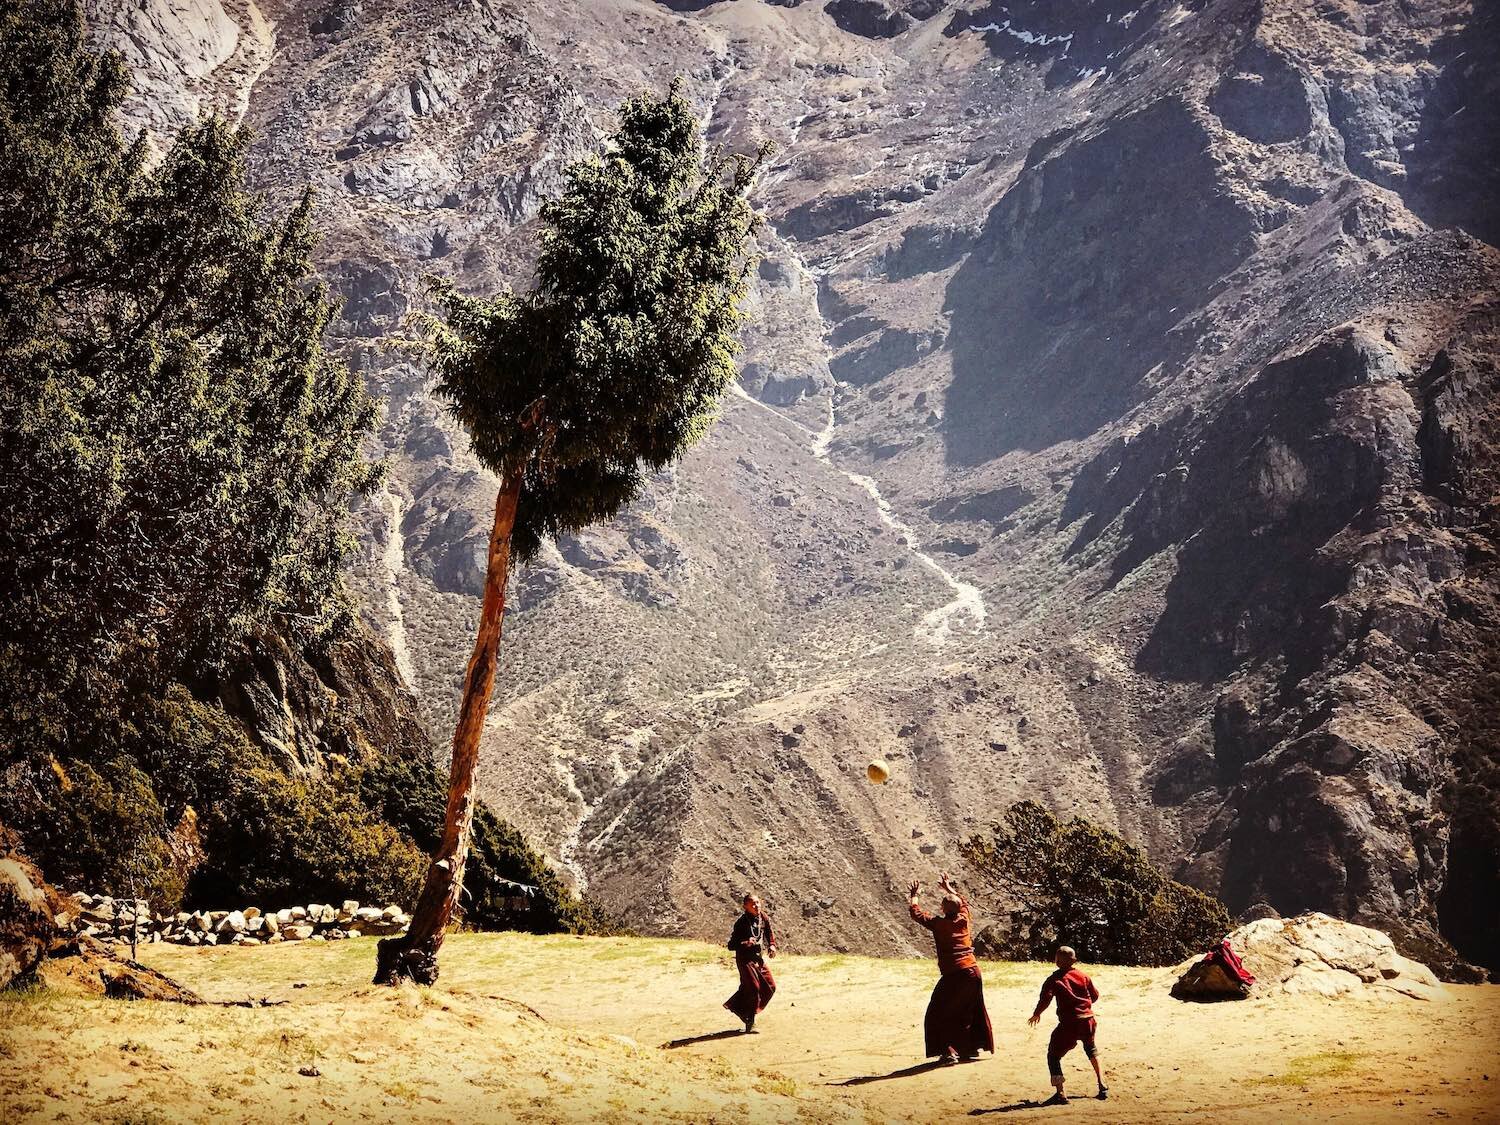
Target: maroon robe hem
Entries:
(956, 1019)
(757, 986)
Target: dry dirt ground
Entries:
(541, 1029)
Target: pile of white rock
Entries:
(123, 920)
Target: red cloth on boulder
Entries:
(1228, 960)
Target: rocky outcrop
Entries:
(891, 350)
(87, 968)
(1054, 327)
(29, 912)
(305, 706)
(1320, 554)
(1267, 99)
(1313, 954)
(171, 50)
(882, 19)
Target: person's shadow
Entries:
(1026, 1103)
(709, 1038)
(905, 1072)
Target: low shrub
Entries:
(412, 796)
(275, 840)
(1075, 883)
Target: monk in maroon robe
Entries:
(752, 940)
(957, 1026)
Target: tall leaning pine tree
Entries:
(607, 369)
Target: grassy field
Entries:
(543, 1029)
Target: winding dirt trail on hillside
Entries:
(936, 626)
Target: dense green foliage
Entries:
(1077, 884)
(177, 449)
(614, 362)
(412, 796)
(182, 806)
(179, 803)
(178, 457)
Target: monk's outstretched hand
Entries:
(916, 889)
(1033, 1021)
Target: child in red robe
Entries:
(1075, 995)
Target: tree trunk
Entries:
(413, 955)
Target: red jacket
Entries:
(1075, 995)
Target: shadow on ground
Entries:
(709, 1038)
(905, 1072)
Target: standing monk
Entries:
(752, 941)
(957, 1026)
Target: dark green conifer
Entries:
(576, 389)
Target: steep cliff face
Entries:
(1118, 429)
(308, 708)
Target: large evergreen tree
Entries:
(575, 390)
(177, 451)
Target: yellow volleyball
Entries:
(878, 772)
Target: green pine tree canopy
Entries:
(178, 458)
(178, 451)
(613, 363)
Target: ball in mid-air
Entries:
(878, 772)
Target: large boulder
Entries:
(41, 939)
(1310, 954)
(28, 915)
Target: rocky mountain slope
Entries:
(1118, 429)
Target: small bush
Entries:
(412, 796)
(275, 839)
(1077, 884)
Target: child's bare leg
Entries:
(1098, 1069)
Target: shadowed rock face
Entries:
(1432, 133)
(881, 19)
(1083, 267)
(1162, 333)
(1266, 99)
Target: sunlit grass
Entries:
(769, 1082)
(402, 1091)
(295, 1046)
(1309, 1068)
